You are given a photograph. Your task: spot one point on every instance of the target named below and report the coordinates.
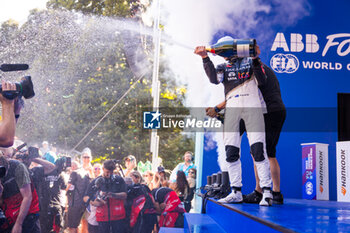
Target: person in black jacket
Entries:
(143, 215)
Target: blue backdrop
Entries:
(312, 62)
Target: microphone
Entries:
(13, 67)
(20, 147)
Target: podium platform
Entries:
(294, 216)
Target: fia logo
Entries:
(284, 63)
(151, 120)
(309, 188)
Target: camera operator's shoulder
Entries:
(38, 173)
(145, 187)
(39, 170)
(21, 168)
(119, 178)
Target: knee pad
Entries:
(257, 150)
(232, 154)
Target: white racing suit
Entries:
(243, 101)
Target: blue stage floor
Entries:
(300, 215)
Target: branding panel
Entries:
(309, 171)
(291, 47)
(315, 171)
(343, 153)
(322, 176)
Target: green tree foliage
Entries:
(121, 8)
(80, 70)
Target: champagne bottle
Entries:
(234, 48)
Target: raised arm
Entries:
(207, 64)
(48, 166)
(8, 123)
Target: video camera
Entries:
(63, 163)
(117, 164)
(31, 153)
(24, 88)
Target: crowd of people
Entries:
(44, 191)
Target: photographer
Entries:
(52, 198)
(143, 215)
(48, 182)
(20, 199)
(169, 206)
(31, 155)
(111, 194)
(8, 122)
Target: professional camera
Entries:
(23, 154)
(63, 163)
(119, 167)
(23, 88)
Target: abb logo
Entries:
(310, 43)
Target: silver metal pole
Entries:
(155, 82)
